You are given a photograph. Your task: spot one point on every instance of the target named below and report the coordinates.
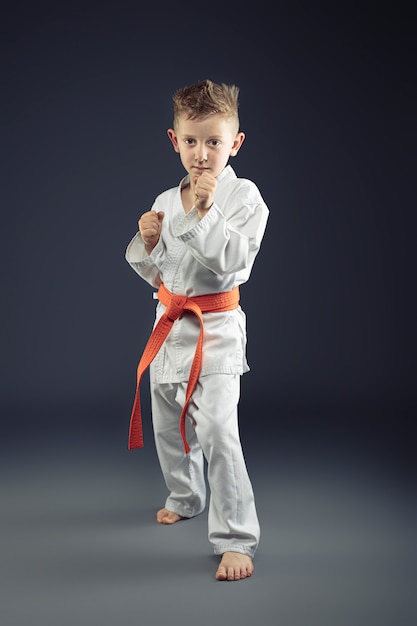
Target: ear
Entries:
(173, 138)
(239, 139)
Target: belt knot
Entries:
(175, 307)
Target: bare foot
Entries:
(167, 517)
(234, 566)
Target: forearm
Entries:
(225, 245)
(145, 263)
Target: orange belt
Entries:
(176, 305)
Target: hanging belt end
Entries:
(133, 444)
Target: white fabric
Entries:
(212, 430)
(198, 257)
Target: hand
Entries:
(204, 188)
(150, 226)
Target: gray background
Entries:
(328, 106)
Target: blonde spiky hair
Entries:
(206, 98)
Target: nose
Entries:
(200, 153)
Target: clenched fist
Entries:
(204, 188)
(150, 226)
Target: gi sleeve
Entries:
(227, 239)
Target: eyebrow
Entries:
(210, 137)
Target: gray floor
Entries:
(80, 544)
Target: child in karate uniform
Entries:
(197, 245)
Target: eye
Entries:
(189, 141)
(214, 143)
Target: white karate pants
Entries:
(212, 431)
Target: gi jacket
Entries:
(196, 257)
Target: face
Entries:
(205, 145)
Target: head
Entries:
(206, 125)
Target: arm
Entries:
(146, 249)
(228, 237)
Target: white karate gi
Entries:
(198, 257)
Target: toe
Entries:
(221, 573)
(233, 573)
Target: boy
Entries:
(197, 245)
